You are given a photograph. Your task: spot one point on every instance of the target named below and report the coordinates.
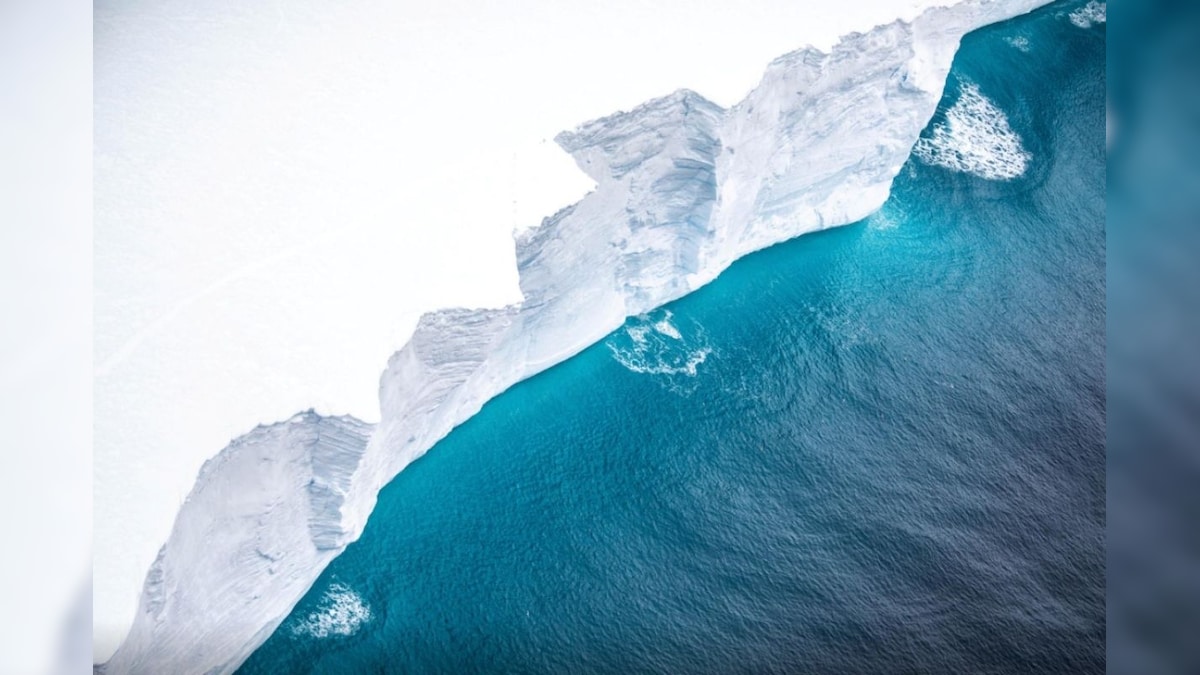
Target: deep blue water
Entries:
(891, 458)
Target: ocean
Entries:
(874, 449)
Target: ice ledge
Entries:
(610, 147)
(265, 512)
(684, 188)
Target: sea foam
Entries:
(975, 138)
(653, 344)
(1090, 14)
(1019, 42)
(341, 612)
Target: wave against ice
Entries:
(1092, 13)
(341, 613)
(683, 189)
(653, 344)
(975, 138)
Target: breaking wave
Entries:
(1092, 13)
(975, 138)
(341, 612)
(1019, 42)
(652, 344)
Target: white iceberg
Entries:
(684, 188)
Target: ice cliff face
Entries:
(264, 515)
(684, 188)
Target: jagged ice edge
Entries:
(684, 188)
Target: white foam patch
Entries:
(1020, 42)
(1092, 13)
(653, 344)
(975, 138)
(341, 612)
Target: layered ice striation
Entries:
(683, 189)
(264, 514)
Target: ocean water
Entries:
(875, 449)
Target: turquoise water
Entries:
(879, 448)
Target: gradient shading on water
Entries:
(879, 448)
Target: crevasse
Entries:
(683, 189)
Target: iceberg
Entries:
(683, 189)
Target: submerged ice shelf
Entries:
(683, 189)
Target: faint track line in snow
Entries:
(250, 269)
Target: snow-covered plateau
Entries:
(683, 189)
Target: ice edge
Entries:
(684, 188)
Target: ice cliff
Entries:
(264, 515)
(683, 189)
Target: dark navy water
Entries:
(876, 449)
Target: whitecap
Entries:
(667, 328)
(1092, 13)
(1020, 42)
(653, 344)
(341, 612)
(975, 138)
